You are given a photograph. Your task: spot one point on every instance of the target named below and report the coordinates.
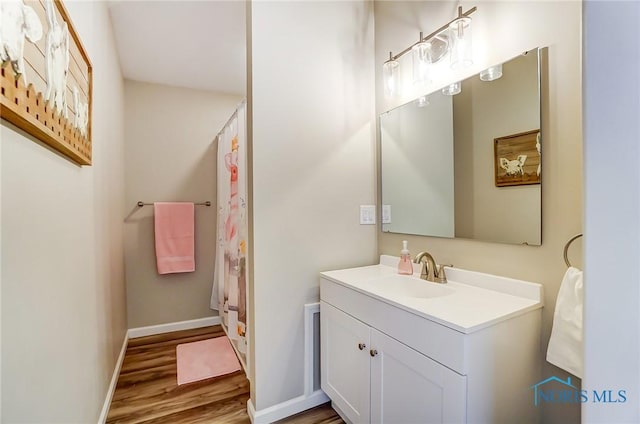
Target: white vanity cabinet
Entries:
(394, 351)
(346, 373)
(408, 387)
(371, 377)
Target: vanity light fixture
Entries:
(391, 76)
(492, 73)
(452, 89)
(421, 53)
(453, 37)
(461, 54)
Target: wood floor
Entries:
(147, 390)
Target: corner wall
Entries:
(312, 107)
(171, 155)
(612, 207)
(502, 30)
(63, 294)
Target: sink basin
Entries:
(468, 302)
(395, 286)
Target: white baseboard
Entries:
(114, 381)
(172, 326)
(285, 409)
(132, 333)
(251, 411)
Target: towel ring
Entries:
(566, 248)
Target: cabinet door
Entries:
(409, 388)
(344, 345)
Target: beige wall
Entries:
(63, 294)
(170, 156)
(482, 112)
(313, 165)
(502, 30)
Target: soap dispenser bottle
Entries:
(405, 266)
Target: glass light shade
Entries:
(422, 101)
(452, 89)
(439, 46)
(460, 39)
(421, 53)
(391, 78)
(492, 73)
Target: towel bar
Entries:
(207, 203)
(566, 248)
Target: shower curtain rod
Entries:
(207, 203)
(233, 115)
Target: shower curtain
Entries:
(229, 294)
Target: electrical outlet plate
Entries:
(367, 214)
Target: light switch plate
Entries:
(367, 214)
(386, 214)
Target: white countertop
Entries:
(468, 302)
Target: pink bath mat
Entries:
(205, 359)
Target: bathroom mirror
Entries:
(467, 165)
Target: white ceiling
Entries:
(193, 44)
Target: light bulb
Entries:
(421, 53)
(461, 54)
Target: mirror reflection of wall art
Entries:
(46, 76)
(517, 159)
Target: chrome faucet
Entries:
(431, 271)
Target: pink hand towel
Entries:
(175, 241)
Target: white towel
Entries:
(565, 344)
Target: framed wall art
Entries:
(517, 159)
(46, 76)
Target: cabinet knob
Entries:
(361, 346)
(373, 352)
